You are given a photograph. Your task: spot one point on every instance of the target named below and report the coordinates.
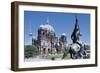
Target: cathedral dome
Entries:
(46, 26)
(41, 26)
(63, 34)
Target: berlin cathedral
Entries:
(47, 40)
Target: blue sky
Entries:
(62, 23)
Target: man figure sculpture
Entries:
(76, 33)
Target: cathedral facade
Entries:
(47, 41)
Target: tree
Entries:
(30, 51)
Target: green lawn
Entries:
(57, 56)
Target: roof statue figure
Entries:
(30, 32)
(76, 32)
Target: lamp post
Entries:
(30, 34)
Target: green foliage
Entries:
(30, 51)
(52, 58)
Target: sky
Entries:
(62, 23)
